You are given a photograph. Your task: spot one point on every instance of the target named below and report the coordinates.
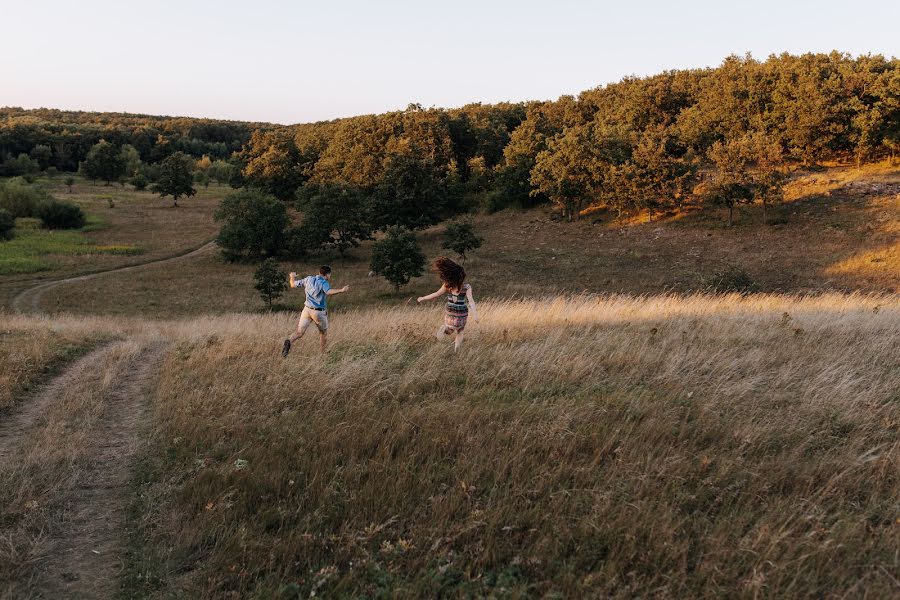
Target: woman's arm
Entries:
(472, 306)
(443, 290)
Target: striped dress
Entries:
(457, 309)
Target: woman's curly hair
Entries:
(452, 274)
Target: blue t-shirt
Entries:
(315, 286)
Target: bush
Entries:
(22, 199)
(733, 279)
(254, 225)
(140, 182)
(7, 225)
(61, 215)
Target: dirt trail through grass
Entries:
(30, 298)
(84, 540)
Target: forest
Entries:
(643, 145)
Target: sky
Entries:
(298, 61)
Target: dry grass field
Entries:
(838, 230)
(587, 446)
(606, 431)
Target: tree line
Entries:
(62, 139)
(721, 135)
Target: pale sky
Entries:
(290, 62)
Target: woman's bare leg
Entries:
(459, 340)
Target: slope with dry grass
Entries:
(615, 446)
(836, 231)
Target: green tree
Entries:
(221, 171)
(334, 215)
(132, 160)
(253, 225)
(273, 163)
(104, 161)
(7, 225)
(397, 257)
(42, 154)
(69, 181)
(411, 194)
(271, 281)
(460, 237)
(175, 177)
(657, 176)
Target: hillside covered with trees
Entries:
(719, 136)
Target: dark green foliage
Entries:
(271, 281)
(732, 279)
(69, 181)
(70, 135)
(104, 162)
(61, 215)
(139, 181)
(253, 225)
(410, 194)
(22, 199)
(334, 215)
(460, 237)
(175, 177)
(397, 257)
(7, 225)
(42, 155)
(19, 167)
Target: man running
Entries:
(318, 288)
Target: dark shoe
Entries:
(286, 348)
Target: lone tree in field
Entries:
(69, 181)
(461, 238)
(104, 161)
(175, 177)
(398, 257)
(271, 281)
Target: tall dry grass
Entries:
(659, 446)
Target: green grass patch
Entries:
(29, 250)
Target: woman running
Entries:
(459, 299)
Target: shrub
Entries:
(140, 182)
(69, 181)
(22, 199)
(733, 279)
(7, 225)
(398, 257)
(51, 172)
(61, 215)
(271, 281)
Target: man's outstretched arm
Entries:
(333, 291)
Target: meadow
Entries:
(607, 430)
(836, 230)
(614, 446)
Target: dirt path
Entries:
(30, 298)
(17, 422)
(85, 543)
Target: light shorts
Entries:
(319, 317)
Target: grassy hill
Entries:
(837, 230)
(588, 446)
